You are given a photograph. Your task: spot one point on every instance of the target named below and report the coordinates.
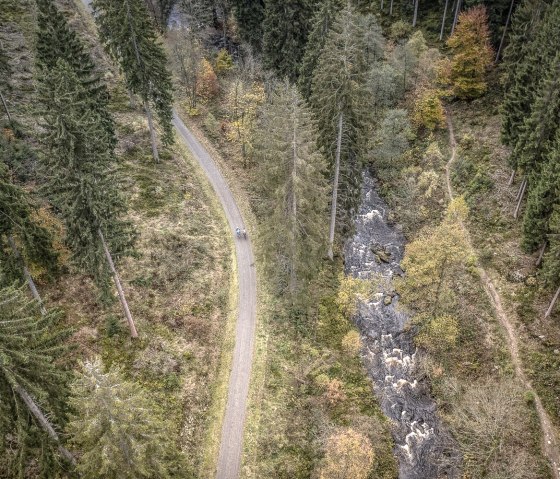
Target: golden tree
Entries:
(472, 53)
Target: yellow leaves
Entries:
(207, 86)
(348, 455)
(350, 291)
(439, 335)
(224, 62)
(351, 343)
(428, 110)
(434, 257)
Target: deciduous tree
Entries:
(472, 53)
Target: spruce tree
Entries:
(250, 16)
(522, 64)
(293, 189)
(339, 98)
(5, 73)
(33, 386)
(22, 239)
(130, 38)
(80, 178)
(55, 40)
(118, 430)
(322, 22)
(286, 26)
(551, 263)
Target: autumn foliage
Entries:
(472, 53)
(208, 86)
(428, 110)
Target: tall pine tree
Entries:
(250, 16)
(118, 429)
(55, 40)
(80, 178)
(293, 189)
(322, 22)
(33, 386)
(130, 38)
(339, 99)
(522, 63)
(286, 26)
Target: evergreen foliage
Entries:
(286, 26)
(250, 17)
(117, 428)
(524, 58)
(79, 173)
(392, 138)
(31, 347)
(472, 53)
(130, 38)
(321, 26)
(19, 225)
(294, 206)
(55, 40)
(339, 88)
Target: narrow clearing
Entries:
(229, 459)
(550, 442)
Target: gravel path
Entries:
(229, 459)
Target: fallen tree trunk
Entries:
(552, 303)
(44, 422)
(124, 303)
(520, 196)
(28, 277)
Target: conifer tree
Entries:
(339, 97)
(33, 386)
(286, 26)
(250, 16)
(5, 73)
(551, 263)
(523, 63)
(294, 190)
(472, 53)
(55, 40)
(117, 428)
(20, 231)
(129, 37)
(322, 22)
(80, 178)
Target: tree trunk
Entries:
(391, 8)
(415, 17)
(293, 277)
(511, 178)
(505, 31)
(381, 5)
(541, 254)
(133, 332)
(6, 107)
(456, 17)
(44, 422)
(335, 185)
(443, 20)
(520, 196)
(28, 277)
(152, 131)
(552, 303)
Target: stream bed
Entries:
(422, 445)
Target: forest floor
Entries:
(550, 439)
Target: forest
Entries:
(279, 239)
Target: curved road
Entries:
(229, 459)
(231, 445)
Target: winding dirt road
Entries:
(229, 459)
(550, 440)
